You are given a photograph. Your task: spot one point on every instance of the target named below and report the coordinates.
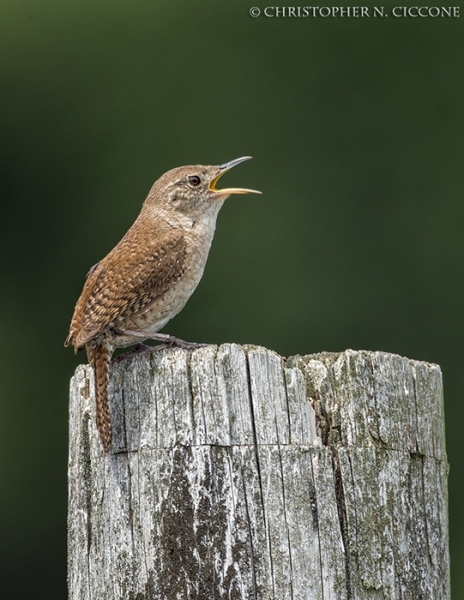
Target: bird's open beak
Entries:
(223, 169)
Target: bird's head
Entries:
(192, 191)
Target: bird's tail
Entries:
(99, 356)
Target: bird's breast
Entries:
(171, 302)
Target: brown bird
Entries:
(148, 277)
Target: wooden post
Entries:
(238, 475)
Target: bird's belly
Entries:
(163, 309)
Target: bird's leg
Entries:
(168, 340)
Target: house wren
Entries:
(148, 277)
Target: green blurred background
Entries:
(356, 129)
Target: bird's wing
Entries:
(127, 282)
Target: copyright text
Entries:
(356, 11)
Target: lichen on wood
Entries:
(236, 474)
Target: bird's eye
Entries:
(194, 180)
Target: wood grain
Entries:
(237, 475)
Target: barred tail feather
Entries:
(99, 356)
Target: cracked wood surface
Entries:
(237, 475)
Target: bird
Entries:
(148, 277)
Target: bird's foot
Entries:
(177, 343)
(168, 341)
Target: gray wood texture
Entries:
(236, 474)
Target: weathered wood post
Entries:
(238, 475)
